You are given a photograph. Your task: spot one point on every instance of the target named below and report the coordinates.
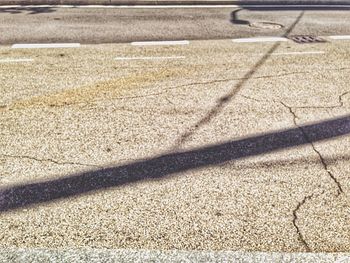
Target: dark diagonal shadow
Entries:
(223, 101)
(170, 164)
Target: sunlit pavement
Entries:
(258, 144)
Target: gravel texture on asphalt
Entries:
(97, 131)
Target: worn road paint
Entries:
(50, 45)
(148, 58)
(10, 60)
(160, 43)
(344, 37)
(298, 53)
(259, 39)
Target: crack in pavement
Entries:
(212, 82)
(183, 86)
(340, 101)
(340, 104)
(323, 162)
(295, 218)
(9, 107)
(222, 102)
(325, 167)
(48, 160)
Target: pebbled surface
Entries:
(268, 171)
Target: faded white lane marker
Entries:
(49, 45)
(344, 37)
(148, 58)
(259, 39)
(298, 53)
(14, 60)
(160, 43)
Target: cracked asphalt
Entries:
(91, 154)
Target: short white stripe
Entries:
(298, 53)
(259, 39)
(148, 58)
(160, 43)
(9, 60)
(50, 45)
(345, 37)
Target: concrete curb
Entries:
(174, 2)
(133, 255)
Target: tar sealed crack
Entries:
(295, 218)
(48, 160)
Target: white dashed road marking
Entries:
(160, 43)
(345, 37)
(50, 45)
(148, 58)
(298, 53)
(11, 60)
(259, 39)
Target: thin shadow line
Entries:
(169, 164)
(223, 101)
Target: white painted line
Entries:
(259, 39)
(170, 6)
(148, 58)
(298, 53)
(9, 60)
(345, 37)
(50, 45)
(160, 43)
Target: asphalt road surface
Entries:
(203, 145)
(105, 25)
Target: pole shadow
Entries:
(170, 164)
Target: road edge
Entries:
(133, 255)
